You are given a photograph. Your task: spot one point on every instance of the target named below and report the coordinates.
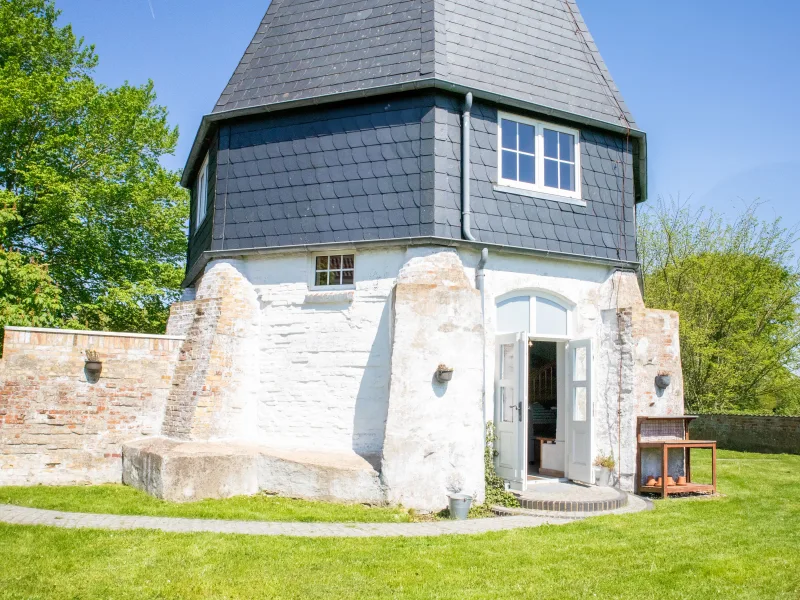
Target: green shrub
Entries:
(496, 494)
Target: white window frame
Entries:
(201, 194)
(539, 188)
(545, 337)
(312, 284)
(532, 294)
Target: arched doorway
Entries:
(543, 394)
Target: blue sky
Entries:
(715, 83)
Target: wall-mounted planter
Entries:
(444, 374)
(93, 364)
(94, 367)
(663, 381)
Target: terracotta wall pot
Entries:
(681, 480)
(651, 481)
(93, 367)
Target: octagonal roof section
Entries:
(539, 52)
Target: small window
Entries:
(202, 193)
(334, 269)
(539, 157)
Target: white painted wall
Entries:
(324, 356)
(590, 289)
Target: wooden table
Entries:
(666, 445)
(664, 489)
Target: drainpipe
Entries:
(479, 273)
(465, 130)
(479, 281)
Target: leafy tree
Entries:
(736, 288)
(92, 227)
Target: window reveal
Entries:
(202, 193)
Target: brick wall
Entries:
(774, 435)
(213, 391)
(57, 426)
(181, 315)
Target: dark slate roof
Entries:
(536, 51)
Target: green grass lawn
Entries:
(743, 545)
(124, 500)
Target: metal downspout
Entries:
(466, 215)
(479, 281)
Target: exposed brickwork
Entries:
(181, 315)
(217, 361)
(656, 349)
(58, 427)
(639, 343)
(190, 373)
(774, 435)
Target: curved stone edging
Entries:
(634, 504)
(571, 506)
(22, 515)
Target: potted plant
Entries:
(663, 379)
(93, 364)
(604, 466)
(444, 373)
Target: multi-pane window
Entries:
(519, 151)
(539, 157)
(508, 358)
(334, 269)
(202, 193)
(559, 160)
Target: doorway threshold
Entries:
(539, 479)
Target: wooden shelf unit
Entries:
(666, 445)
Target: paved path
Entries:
(20, 515)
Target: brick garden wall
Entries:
(747, 433)
(56, 426)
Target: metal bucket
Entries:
(459, 506)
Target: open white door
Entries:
(579, 403)
(510, 407)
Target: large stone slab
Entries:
(329, 476)
(184, 471)
(187, 471)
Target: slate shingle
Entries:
(329, 174)
(535, 50)
(593, 230)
